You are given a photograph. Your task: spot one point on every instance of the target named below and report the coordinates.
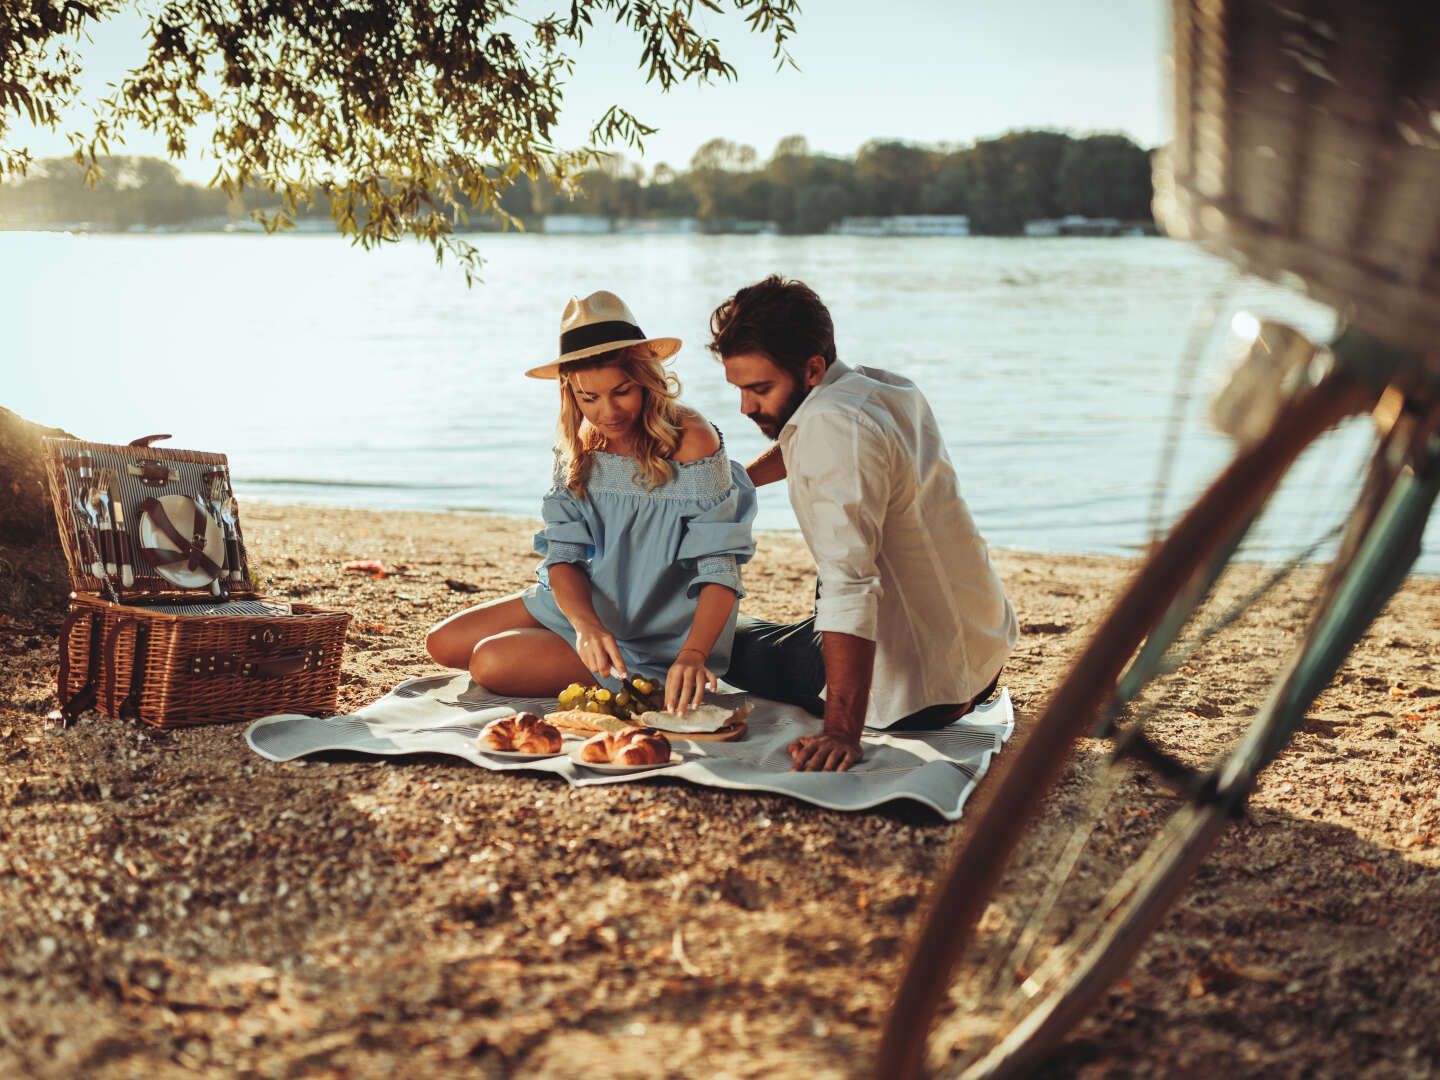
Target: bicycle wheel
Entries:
(1047, 998)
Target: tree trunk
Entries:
(33, 576)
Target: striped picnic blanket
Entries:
(442, 714)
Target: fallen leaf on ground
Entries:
(1224, 973)
(373, 567)
(461, 586)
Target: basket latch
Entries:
(293, 663)
(152, 473)
(264, 639)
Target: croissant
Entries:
(524, 733)
(641, 747)
(635, 746)
(596, 750)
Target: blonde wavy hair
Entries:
(659, 428)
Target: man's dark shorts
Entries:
(785, 662)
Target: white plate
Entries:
(609, 767)
(517, 755)
(180, 509)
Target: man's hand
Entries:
(823, 752)
(849, 662)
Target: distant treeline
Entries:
(1000, 183)
(130, 191)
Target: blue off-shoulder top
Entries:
(647, 552)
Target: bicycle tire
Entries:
(962, 894)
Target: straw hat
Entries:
(598, 324)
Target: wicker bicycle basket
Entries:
(139, 650)
(1307, 149)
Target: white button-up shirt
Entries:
(900, 560)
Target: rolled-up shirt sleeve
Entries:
(717, 538)
(840, 487)
(566, 536)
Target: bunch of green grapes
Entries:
(639, 695)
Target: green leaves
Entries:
(405, 116)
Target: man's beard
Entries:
(772, 424)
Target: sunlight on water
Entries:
(338, 376)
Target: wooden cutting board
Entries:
(729, 733)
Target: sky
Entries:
(922, 71)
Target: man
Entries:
(911, 624)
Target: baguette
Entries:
(581, 720)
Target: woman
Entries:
(645, 530)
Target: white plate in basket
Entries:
(180, 509)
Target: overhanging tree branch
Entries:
(404, 115)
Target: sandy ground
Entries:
(172, 905)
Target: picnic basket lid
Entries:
(190, 470)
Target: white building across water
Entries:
(1080, 225)
(905, 225)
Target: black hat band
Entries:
(600, 333)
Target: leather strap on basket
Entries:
(191, 552)
(62, 689)
(72, 705)
(130, 706)
(294, 663)
(111, 697)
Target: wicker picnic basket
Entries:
(136, 643)
(1307, 149)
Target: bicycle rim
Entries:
(1204, 537)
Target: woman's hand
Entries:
(687, 681)
(598, 650)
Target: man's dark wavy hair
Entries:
(785, 320)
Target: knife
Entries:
(122, 538)
(100, 499)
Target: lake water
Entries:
(376, 379)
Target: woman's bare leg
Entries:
(506, 650)
(527, 663)
(451, 641)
